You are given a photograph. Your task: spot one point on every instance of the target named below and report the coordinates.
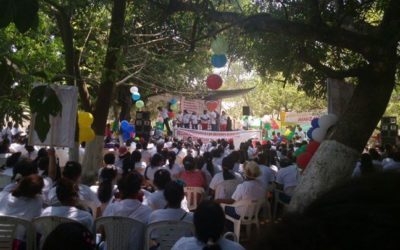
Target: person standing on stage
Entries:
(179, 119)
(195, 120)
(186, 119)
(164, 115)
(204, 119)
(223, 121)
(213, 120)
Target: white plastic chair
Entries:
(168, 233)
(119, 232)
(247, 218)
(230, 236)
(194, 196)
(8, 229)
(225, 189)
(46, 224)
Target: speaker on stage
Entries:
(246, 110)
(142, 115)
(389, 130)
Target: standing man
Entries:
(204, 119)
(164, 115)
(213, 120)
(223, 121)
(186, 119)
(179, 119)
(195, 120)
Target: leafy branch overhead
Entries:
(44, 102)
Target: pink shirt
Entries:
(193, 178)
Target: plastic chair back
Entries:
(8, 229)
(168, 233)
(194, 196)
(225, 189)
(46, 224)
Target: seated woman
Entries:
(137, 163)
(69, 236)
(250, 189)
(156, 200)
(224, 184)
(174, 195)
(157, 162)
(173, 167)
(192, 176)
(107, 188)
(70, 208)
(209, 222)
(24, 201)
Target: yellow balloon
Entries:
(86, 134)
(85, 119)
(287, 132)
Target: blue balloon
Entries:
(124, 124)
(314, 122)
(173, 101)
(309, 132)
(130, 129)
(126, 136)
(136, 96)
(218, 61)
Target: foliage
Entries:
(269, 96)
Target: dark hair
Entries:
(24, 167)
(105, 190)
(366, 166)
(156, 160)
(161, 178)
(174, 194)
(72, 170)
(130, 184)
(13, 159)
(209, 221)
(127, 165)
(189, 163)
(109, 158)
(71, 235)
(353, 215)
(171, 159)
(43, 164)
(29, 186)
(136, 156)
(66, 190)
(227, 165)
(209, 165)
(374, 154)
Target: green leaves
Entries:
(44, 102)
(24, 14)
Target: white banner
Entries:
(197, 105)
(237, 136)
(62, 130)
(301, 118)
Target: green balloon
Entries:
(139, 104)
(268, 126)
(303, 148)
(219, 46)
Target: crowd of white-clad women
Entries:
(145, 181)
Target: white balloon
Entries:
(327, 121)
(318, 134)
(134, 89)
(266, 119)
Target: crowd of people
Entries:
(145, 180)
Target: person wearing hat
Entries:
(250, 189)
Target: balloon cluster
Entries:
(136, 97)
(219, 47)
(127, 130)
(85, 120)
(173, 106)
(317, 134)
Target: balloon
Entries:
(266, 119)
(309, 132)
(212, 105)
(130, 129)
(318, 134)
(139, 104)
(124, 125)
(86, 134)
(314, 122)
(173, 101)
(174, 107)
(303, 148)
(312, 147)
(303, 160)
(126, 136)
(136, 96)
(171, 115)
(218, 61)
(214, 81)
(326, 121)
(268, 126)
(134, 89)
(287, 132)
(219, 45)
(85, 119)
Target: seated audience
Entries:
(107, 187)
(157, 200)
(209, 222)
(192, 176)
(69, 236)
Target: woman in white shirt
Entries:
(156, 163)
(156, 200)
(209, 222)
(107, 188)
(173, 167)
(137, 163)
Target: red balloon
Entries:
(212, 105)
(214, 81)
(171, 115)
(312, 147)
(303, 160)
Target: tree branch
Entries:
(390, 25)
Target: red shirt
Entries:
(193, 178)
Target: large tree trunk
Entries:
(336, 157)
(93, 154)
